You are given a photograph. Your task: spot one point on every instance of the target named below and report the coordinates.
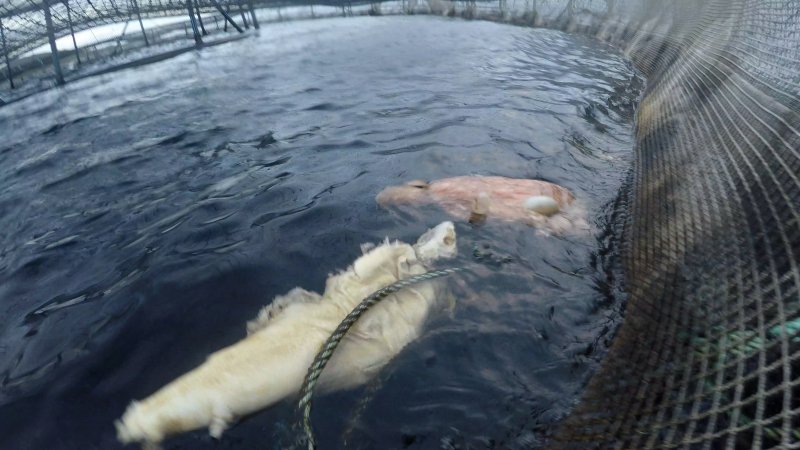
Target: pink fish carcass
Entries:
(544, 205)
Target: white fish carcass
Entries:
(271, 362)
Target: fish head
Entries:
(437, 243)
(138, 426)
(416, 191)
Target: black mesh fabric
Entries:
(707, 356)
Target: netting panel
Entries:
(708, 355)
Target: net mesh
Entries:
(708, 355)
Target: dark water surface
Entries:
(146, 215)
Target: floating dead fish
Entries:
(544, 205)
(271, 362)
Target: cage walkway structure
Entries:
(27, 26)
(708, 354)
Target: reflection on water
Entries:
(148, 214)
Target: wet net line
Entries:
(328, 348)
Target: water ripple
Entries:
(148, 214)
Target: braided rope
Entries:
(327, 349)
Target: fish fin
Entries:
(219, 423)
(479, 208)
(534, 219)
(217, 427)
(281, 302)
(366, 247)
(451, 304)
(420, 184)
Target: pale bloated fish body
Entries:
(541, 204)
(271, 362)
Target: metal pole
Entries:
(72, 32)
(141, 24)
(227, 17)
(197, 39)
(253, 14)
(118, 47)
(5, 55)
(200, 19)
(241, 11)
(53, 49)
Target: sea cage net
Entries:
(707, 355)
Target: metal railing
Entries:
(31, 30)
